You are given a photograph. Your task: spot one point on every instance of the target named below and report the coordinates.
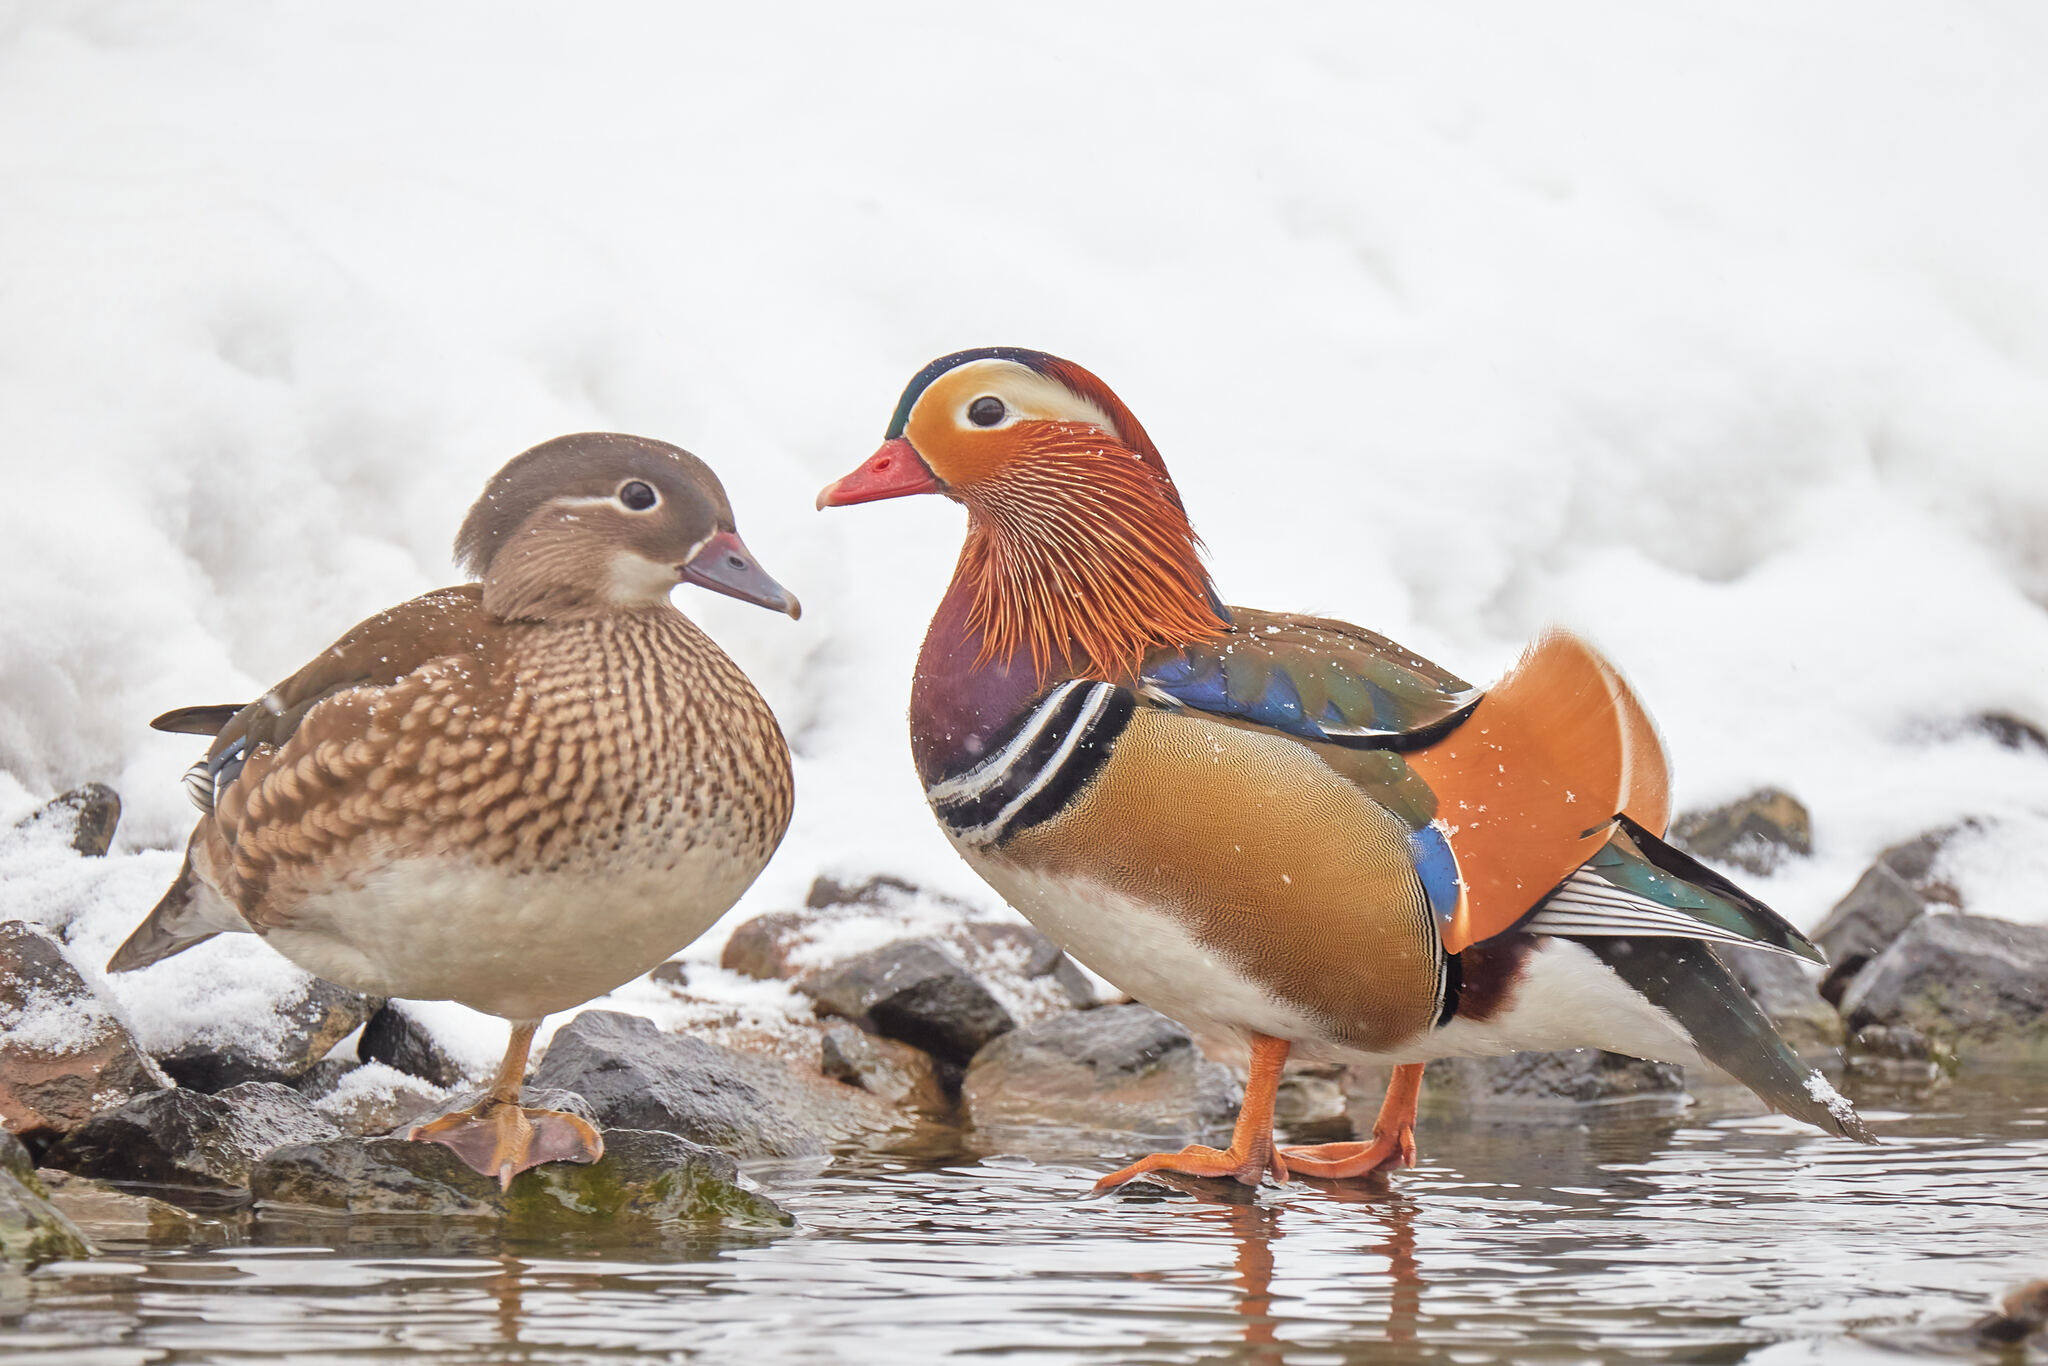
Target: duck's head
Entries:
(1078, 547)
(599, 522)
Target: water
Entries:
(1614, 1237)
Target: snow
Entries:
(1824, 1093)
(1719, 333)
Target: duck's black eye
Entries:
(986, 411)
(638, 496)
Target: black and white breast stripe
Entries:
(1054, 750)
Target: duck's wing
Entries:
(1314, 679)
(1508, 790)
(374, 653)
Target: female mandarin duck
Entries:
(518, 794)
(1290, 834)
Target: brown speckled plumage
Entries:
(517, 794)
(587, 747)
(462, 771)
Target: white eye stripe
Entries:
(1027, 395)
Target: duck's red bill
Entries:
(894, 471)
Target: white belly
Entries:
(1149, 956)
(1567, 997)
(516, 946)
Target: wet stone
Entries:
(888, 1070)
(106, 1215)
(32, 1229)
(1897, 1055)
(634, 1076)
(84, 818)
(190, 1138)
(644, 1178)
(14, 1156)
(398, 1040)
(914, 991)
(64, 1053)
(1758, 832)
(1977, 985)
(308, 1024)
(1121, 1068)
(1788, 994)
(1577, 1076)
(1310, 1098)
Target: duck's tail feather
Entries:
(1685, 979)
(1637, 886)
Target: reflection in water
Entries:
(1255, 1229)
(1597, 1235)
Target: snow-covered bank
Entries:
(1718, 332)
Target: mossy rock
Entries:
(32, 1230)
(644, 1178)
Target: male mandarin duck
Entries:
(518, 794)
(1288, 833)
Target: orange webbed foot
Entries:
(1195, 1160)
(1393, 1137)
(1344, 1161)
(501, 1139)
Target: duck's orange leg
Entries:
(1393, 1136)
(1251, 1153)
(501, 1138)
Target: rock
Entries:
(1122, 1068)
(643, 1179)
(2014, 732)
(879, 890)
(64, 1053)
(891, 1071)
(84, 818)
(1577, 1076)
(1863, 924)
(1974, 984)
(32, 1230)
(14, 1157)
(1897, 1055)
(1758, 832)
(761, 947)
(1786, 991)
(2022, 1313)
(914, 991)
(1030, 955)
(323, 1076)
(675, 973)
(637, 1077)
(307, 1025)
(395, 1038)
(1310, 1098)
(106, 1215)
(190, 1138)
(376, 1099)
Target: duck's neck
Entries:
(1080, 571)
